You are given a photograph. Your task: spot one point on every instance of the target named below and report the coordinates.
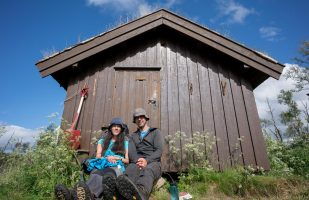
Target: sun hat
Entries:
(140, 112)
(117, 121)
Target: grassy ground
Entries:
(258, 187)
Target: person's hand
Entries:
(141, 163)
(112, 159)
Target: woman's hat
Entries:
(115, 121)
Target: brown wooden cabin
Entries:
(187, 77)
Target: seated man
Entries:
(144, 169)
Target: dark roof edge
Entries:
(208, 36)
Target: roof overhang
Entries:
(102, 42)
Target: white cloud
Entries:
(132, 7)
(233, 11)
(20, 134)
(270, 89)
(269, 33)
(144, 9)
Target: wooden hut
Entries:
(187, 77)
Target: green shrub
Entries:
(276, 151)
(36, 172)
(289, 159)
(296, 156)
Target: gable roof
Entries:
(162, 17)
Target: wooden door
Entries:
(134, 89)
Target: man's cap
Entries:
(140, 112)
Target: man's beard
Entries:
(141, 125)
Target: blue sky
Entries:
(30, 29)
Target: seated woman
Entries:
(111, 155)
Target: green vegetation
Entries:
(33, 173)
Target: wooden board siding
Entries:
(69, 103)
(88, 111)
(219, 118)
(185, 121)
(207, 111)
(258, 142)
(230, 117)
(164, 122)
(195, 92)
(242, 121)
(173, 104)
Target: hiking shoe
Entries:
(109, 187)
(62, 192)
(129, 190)
(82, 192)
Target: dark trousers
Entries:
(145, 177)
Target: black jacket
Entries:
(150, 147)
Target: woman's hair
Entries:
(118, 147)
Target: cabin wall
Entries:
(199, 92)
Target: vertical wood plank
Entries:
(220, 127)
(84, 78)
(155, 85)
(124, 103)
(173, 103)
(132, 99)
(242, 121)
(255, 128)
(107, 114)
(149, 90)
(145, 91)
(164, 121)
(69, 103)
(117, 93)
(100, 99)
(194, 94)
(88, 112)
(151, 54)
(139, 90)
(208, 113)
(195, 100)
(125, 96)
(230, 118)
(184, 105)
(84, 82)
(101, 91)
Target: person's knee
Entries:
(131, 169)
(153, 169)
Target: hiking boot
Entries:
(129, 190)
(62, 192)
(109, 187)
(82, 192)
